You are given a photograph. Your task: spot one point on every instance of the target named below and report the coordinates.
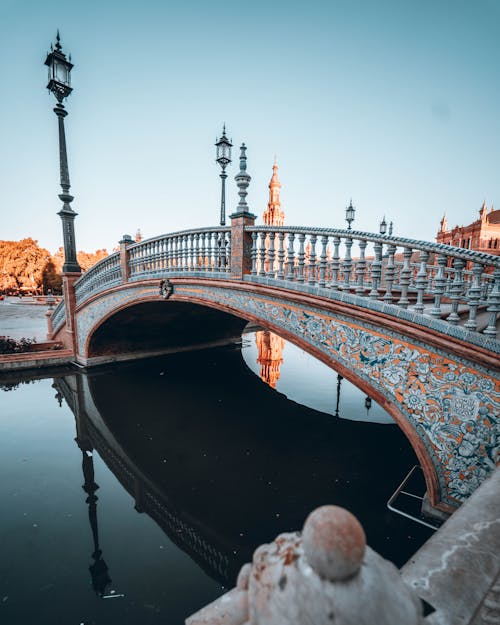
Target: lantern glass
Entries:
(349, 213)
(383, 226)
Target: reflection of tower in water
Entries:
(270, 355)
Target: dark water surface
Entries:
(198, 461)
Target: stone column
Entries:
(241, 241)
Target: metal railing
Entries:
(430, 278)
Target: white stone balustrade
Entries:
(430, 279)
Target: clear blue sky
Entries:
(394, 103)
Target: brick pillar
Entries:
(70, 337)
(124, 266)
(241, 245)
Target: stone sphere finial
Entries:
(334, 542)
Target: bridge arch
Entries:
(154, 325)
(440, 395)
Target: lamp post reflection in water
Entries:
(98, 569)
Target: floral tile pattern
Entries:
(452, 404)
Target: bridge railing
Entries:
(58, 316)
(206, 251)
(103, 275)
(430, 278)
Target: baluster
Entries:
(376, 269)
(154, 260)
(262, 254)
(171, 258)
(205, 251)
(421, 282)
(389, 274)
(165, 254)
(174, 241)
(456, 291)
(361, 268)
(405, 278)
(439, 285)
(336, 264)
(271, 255)
(301, 255)
(281, 255)
(169, 254)
(228, 253)
(493, 303)
(191, 257)
(196, 251)
(322, 261)
(179, 253)
(221, 242)
(312, 260)
(347, 264)
(185, 253)
(254, 253)
(210, 254)
(474, 295)
(182, 251)
(291, 257)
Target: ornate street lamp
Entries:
(223, 157)
(390, 229)
(60, 85)
(349, 214)
(383, 226)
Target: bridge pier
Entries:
(70, 337)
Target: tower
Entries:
(273, 215)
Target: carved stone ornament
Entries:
(166, 289)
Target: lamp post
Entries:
(383, 226)
(223, 157)
(59, 69)
(349, 214)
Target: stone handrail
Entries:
(433, 279)
(101, 276)
(204, 251)
(58, 316)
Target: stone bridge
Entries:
(413, 324)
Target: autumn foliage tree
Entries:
(25, 266)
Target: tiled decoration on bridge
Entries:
(453, 405)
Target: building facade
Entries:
(482, 235)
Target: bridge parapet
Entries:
(201, 251)
(437, 285)
(103, 275)
(58, 316)
(434, 280)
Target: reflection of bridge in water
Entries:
(219, 483)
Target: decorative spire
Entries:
(58, 41)
(242, 181)
(273, 215)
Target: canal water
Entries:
(134, 493)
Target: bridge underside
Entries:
(159, 327)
